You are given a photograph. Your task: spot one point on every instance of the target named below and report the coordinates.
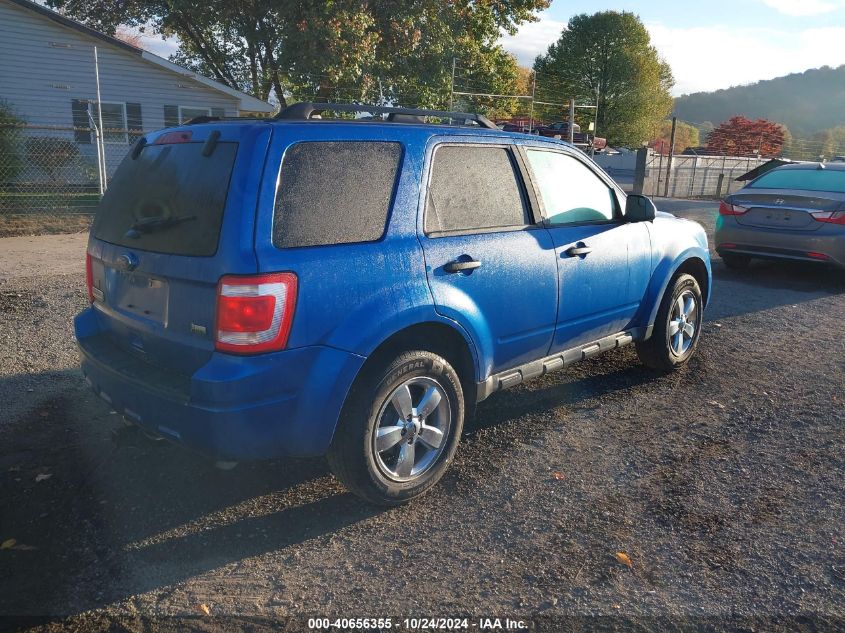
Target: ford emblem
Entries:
(127, 262)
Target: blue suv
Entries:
(353, 287)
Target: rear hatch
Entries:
(178, 214)
(785, 211)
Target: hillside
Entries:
(805, 102)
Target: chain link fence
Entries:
(693, 176)
(51, 177)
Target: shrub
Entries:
(11, 154)
(51, 153)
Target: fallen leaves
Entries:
(203, 608)
(42, 477)
(13, 544)
(623, 558)
(558, 475)
(718, 405)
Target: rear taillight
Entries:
(89, 277)
(254, 313)
(731, 209)
(830, 217)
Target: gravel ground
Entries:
(722, 483)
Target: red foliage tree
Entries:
(739, 136)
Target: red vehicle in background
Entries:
(559, 129)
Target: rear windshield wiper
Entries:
(156, 223)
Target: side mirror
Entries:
(639, 209)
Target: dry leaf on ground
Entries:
(623, 558)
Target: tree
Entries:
(686, 135)
(392, 51)
(609, 55)
(739, 136)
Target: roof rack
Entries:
(303, 111)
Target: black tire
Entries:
(736, 262)
(658, 352)
(353, 457)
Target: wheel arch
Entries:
(434, 336)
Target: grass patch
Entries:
(13, 225)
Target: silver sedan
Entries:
(793, 212)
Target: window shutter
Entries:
(171, 116)
(219, 112)
(81, 124)
(134, 122)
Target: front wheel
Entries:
(399, 429)
(677, 327)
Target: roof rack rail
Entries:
(303, 111)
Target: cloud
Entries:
(801, 8)
(705, 58)
(532, 39)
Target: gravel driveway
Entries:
(722, 484)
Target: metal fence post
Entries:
(639, 170)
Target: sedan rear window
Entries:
(169, 199)
(802, 179)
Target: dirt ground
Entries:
(722, 484)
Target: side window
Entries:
(471, 188)
(570, 191)
(334, 192)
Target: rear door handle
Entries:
(577, 251)
(459, 265)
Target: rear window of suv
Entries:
(170, 199)
(335, 192)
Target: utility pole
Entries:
(671, 156)
(572, 121)
(595, 124)
(533, 90)
(452, 91)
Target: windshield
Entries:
(169, 200)
(802, 179)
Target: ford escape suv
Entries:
(301, 286)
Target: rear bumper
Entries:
(233, 407)
(829, 241)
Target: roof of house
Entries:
(247, 103)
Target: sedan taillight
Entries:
(255, 312)
(830, 217)
(731, 209)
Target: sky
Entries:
(713, 44)
(709, 44)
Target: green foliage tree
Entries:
(609, 54)
(396, 51)
(686, 135)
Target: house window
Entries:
(114, 121)
(186, 113)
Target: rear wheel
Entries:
(736, 262)
(677, 327)
(399, 429)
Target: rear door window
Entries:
(473, 188)
(170, 199)
(336, 192)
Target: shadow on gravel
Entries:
(97, 516)
(770, 284)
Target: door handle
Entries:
(578, 251)
(459, 265)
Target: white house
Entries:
(47, 75)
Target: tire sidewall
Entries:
(411, 365)
(681, 285)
